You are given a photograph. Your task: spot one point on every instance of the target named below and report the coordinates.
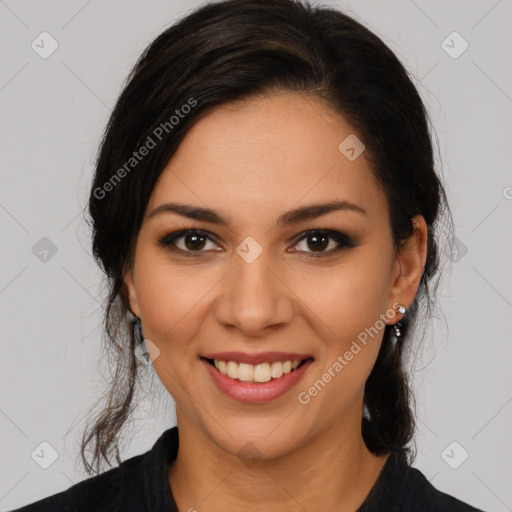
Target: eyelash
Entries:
(343, 241)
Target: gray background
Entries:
(53, 114)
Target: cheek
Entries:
(347, 298)
(346, 307)
(170, 298)
(172, 304)
(349, 328)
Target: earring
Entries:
(140, 350)
(137, 331)
(402, 311)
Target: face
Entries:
(262, 277)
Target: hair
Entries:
(234, 50)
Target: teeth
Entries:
(245, 372)
(277, 370)
(255, 373)
(262, 373)
(232, 370)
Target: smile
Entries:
(255, 373)
(256, 378)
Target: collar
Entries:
(389, 487)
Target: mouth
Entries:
(256, 378)
(256, 373)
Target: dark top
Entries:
(140, 484)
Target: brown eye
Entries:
(190, 242)
(323, 242)
(318, 242)
(194, 242)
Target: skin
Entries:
(252, 161)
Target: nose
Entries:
(254, 298)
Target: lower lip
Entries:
(256, 392)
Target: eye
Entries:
(323, 242)
(194, 242)
(188, 242)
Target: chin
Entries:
(256, 439)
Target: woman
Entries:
(266, 208)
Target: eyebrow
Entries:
(294, 216)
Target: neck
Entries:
(335, 471)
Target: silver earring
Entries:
(401, 310)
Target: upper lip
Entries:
(259, 358)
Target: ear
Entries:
(132, 293)
(408, 266)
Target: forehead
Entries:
(270, 153)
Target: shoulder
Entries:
(139, 483)
(402, 488)
(98, 493)
(420, 495)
